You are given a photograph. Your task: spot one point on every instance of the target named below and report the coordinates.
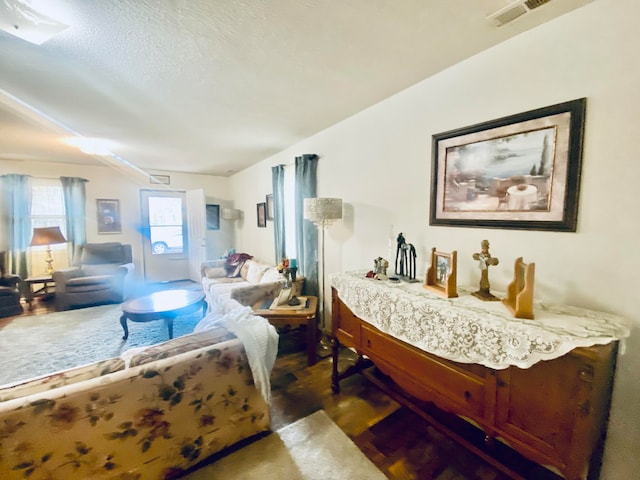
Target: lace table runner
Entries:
(468, 330)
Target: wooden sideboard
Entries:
(553, 413)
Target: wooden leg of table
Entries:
(169, 322)
(311, 341)
(123, 322)
(335, 374)
(28, 295)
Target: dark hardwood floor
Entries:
(400, 443)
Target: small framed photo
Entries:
(442, 274)
(213, 217)
(270, 207)
(108, 216)
(262, 214)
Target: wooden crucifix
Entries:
(485, 260)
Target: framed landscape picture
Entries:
(519, 172)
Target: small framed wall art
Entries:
(262, 214)
(442, 274)
(108, 216)
(270, 207)
(213, 217)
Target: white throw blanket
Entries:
(259, 337)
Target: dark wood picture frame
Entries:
(213, 217)
(108, 213)
(517, 172)
(261, 209)
(270, 207)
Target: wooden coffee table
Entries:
(166, 305)
(305, 316)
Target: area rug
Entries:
(313, 448)
(35, 345)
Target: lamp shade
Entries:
(230, 214)
(47, 236)
(323, 211)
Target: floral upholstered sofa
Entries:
(150, 414)
(249, 282)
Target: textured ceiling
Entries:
(213, 86)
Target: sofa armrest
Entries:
(212, 264)
(251, 294)
(126, 268)
(10, 281)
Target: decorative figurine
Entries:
(289, 269)
(400, 242)
(405, 259)
(380, 266)
(485, 260)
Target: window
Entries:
(166, 225)
(47, 205)
(47, 210)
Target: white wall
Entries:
(379, 162)
(124, 184)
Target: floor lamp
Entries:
(322, 212)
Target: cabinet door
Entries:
(538, 408)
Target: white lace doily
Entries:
(468, 330)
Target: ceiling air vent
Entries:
(514, 10)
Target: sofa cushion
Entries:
(100, 269)
(61, 378)
(180, 345)
(89, 281)
(100, 253)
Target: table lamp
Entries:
(47, 236)
(322, 212)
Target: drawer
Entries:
(450, 387)
(346, 326)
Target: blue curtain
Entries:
(16, 221)
(75, 203)
(306, 232)
(277, 176)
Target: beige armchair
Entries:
(98, 276)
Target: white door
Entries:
(165, 242)
(196, 214)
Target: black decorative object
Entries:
(405, 260)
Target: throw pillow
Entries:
(236, 271)
(271, 275)
(255, 272)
